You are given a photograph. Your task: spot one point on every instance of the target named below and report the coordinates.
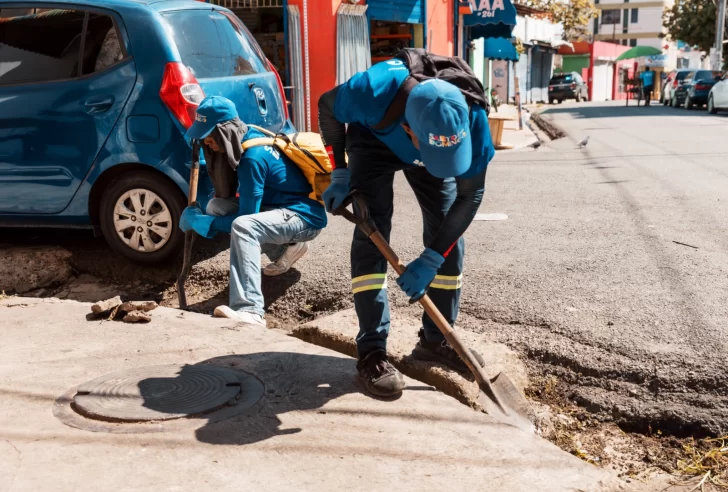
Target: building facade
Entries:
(630, 23)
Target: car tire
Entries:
(578, 97)
(688, 103)
(711, 105)
(143, 242)
(673, 102)
(552, 101)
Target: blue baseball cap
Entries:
(439, 116)
(211, 111)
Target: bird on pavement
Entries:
(535, 145)
(583, 143)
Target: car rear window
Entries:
(561, 79)
(212, 45)
(705, 75)
(681, 75)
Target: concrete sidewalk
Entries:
(312, 429)
(519, 139)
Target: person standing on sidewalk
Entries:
(443, 146)
(648, 84)
(273, 213)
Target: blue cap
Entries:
(211, 111)
(439, 116)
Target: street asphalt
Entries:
(610, 271)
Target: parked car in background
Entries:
(673, 80)
(697, 87)
(718, 97)
(568, 85)
(93, 112)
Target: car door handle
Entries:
(98, 104)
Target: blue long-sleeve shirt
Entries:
(268, 179)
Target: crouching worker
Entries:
(273, 214)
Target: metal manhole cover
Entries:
(157, 393)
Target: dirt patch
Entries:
(647, 458)
(547, 127)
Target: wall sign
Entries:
(491, 12)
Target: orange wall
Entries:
(322, 41)
(440, 26)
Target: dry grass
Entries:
(704, 462)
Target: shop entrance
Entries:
(394, 26)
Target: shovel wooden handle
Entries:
(189, 235)
(443, 324)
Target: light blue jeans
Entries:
(269, 232)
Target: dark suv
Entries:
(567, 86)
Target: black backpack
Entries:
(423, 66)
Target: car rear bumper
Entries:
(562, 94)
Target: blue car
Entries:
(695, 88)
(95, 98)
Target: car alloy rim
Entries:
(142, 220)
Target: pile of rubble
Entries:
(129, 312)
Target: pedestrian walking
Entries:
(647, 78)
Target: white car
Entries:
(718, 97)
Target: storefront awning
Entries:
(487, 12)
(499, 49)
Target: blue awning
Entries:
(499, 49)
(491, 12)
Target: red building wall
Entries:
(601, 49)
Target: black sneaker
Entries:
(442, 353)
(379, 376)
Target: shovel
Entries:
(189, 235)
(498, 396)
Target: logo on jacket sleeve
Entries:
(447, 141)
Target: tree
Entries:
(573, 15)
(692, 21)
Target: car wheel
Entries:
(688, 103)
(673, 102)
(711, 106)
(552, 101)
(578, 97)
(139, 215)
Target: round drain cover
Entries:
(157, 393)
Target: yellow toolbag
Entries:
(306, 149)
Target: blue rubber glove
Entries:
(193, 219)
(337, 190)
(420, 273)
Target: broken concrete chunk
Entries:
(106, 305)
(144, 306)
(137, 317)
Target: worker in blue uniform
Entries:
(443, 146)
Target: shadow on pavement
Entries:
(294, 382)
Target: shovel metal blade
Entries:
(512, 408)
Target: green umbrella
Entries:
(638, 51)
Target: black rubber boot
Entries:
(442, 353)
(379, 376)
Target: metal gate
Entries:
(408, 11)
(352, 41)
(521, 69)
(298, 108)
(541, 65)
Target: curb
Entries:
(454, 385)
(553, 131)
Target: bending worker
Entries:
(273, 214)
(436, 138)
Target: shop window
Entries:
(387, 38)
(26, 57)
(634, 16)
(610, 17)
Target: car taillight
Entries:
(181, 92)
(573, 86)
(280, 88)
(674, 84)
(700, 87)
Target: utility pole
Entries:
(719, 31)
